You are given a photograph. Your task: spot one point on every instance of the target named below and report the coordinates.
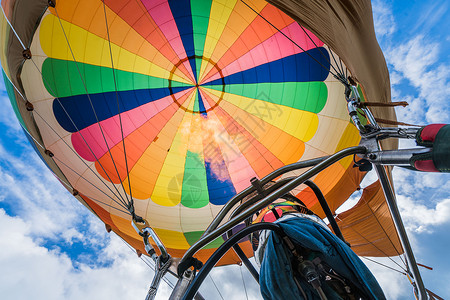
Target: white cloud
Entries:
(417, 60)
(7, 115)
(430, 16)
(383, 19)
(420, 218)
(394, 284)
(229, 282)
(51, 275)
(36, 195)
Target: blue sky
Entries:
(54, 247)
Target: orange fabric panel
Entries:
(229, 258)
(368, 226)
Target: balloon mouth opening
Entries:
(198, 85)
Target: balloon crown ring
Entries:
(192, 59)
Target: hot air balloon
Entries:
(160, 112)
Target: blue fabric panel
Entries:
(235, 230)
(201, 105)
(75, 112)
(276, 275)
(220, 189)
(181, 12)
(288, 69)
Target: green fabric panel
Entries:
(441, 149)
(196, 103)
(12, 98)
(62, 79)
(198, 65)
(194, 192)
(200, 10)
(306, 96)
(194, 236)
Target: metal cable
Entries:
(243, 282)
(92, 105)
(78, 131)
(215, 286)
(306, 52)
(386, 266)
(118, 108)
(159, 274)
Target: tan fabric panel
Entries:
(368, 226)
(346, 26)
(25, 16)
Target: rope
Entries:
(390, 122)
(426, 267)
(390, 104)
(433, 295)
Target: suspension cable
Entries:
(215, 286)
(384, 265)
(120, 203)
(92, 105)
(118, 195)
(119, 112)
(338, 76)
(243, 282)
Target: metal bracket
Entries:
(144, 230)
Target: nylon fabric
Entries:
(276, 275)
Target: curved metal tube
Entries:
(217, 255)
(326, 209)
(278, 172)
(270, 198)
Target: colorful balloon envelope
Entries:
(177, 105)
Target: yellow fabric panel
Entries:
(92, 49)
(292, 121)
(219, 14)
(168, 186)
(238, 21)
(172, 239)
(349, 138)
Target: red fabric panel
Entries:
(428, 134)
(425, 165)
